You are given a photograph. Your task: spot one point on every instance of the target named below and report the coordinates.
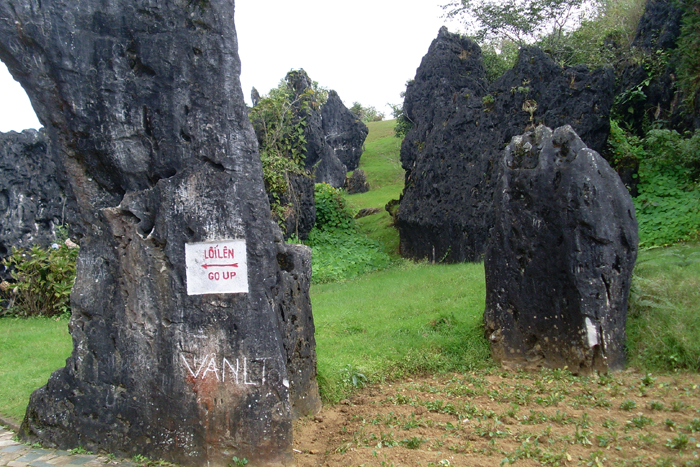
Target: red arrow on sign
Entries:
(234, 265)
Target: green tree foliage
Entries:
(279, 120)
(366, 114)
(403, 123)
(520, 21)
(603, 38)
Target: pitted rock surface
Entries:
(357, 182)
(460, 126)
(320, 158)
(35, 198)
(560, 259)
(143, 107)
(345, 133)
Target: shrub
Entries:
(332, 212)
(43, 280)
(344, 254)
(668, 204)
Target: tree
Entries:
(366, 114)
(520, 21)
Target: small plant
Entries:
(670, 424)
(43, 280)
(79, 450)
(694, 425)
(678, 406)
(353, 377)
(678, 443)
(656, 405)
(239, 461)
(412, 443)
(488, 102)
(640, 421)
(628, 405)
(648, 380)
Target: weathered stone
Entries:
(460, 126)
(34, 195)
(660, 102)
(293, 309)
(320, 158)
(345, 133)
(357, 182)
(299, 215)
(561, 254)
(364, 212)
(143, 107)
(254, 96)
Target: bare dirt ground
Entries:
(502, 418)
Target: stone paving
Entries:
(15, 454)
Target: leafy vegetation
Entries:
(340, 250)
(668, 204)
(42, 281)
(366, 114)
(522, 21)
(279, 120)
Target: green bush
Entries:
(332, 212)
(344, 254)
(668, 204)
(43, 281)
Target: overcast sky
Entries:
(366, 50)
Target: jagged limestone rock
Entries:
(345, 133)
(461, 123)
(179, 349)
(35, 198)
(560, 257)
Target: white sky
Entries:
(365, 50)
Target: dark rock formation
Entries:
(34, 195)
(320, 158)
(254, 96)
(299, 214)
(561, 254)
(364, 212)
(293, 309)
(659, 26)
(143, 107)
(461, 124)
(655, 76)
(345, 133)
(357, 182)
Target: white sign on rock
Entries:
(216, 267)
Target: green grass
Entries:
(412, 318)
(381, 164)
(30, 350)
(664, 312)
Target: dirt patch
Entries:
(497, 417)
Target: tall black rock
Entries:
(560, 258)
(180, 349)
(345, 133)
(35, 198)
(648, 88)
(460, 126)
(320, 159)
